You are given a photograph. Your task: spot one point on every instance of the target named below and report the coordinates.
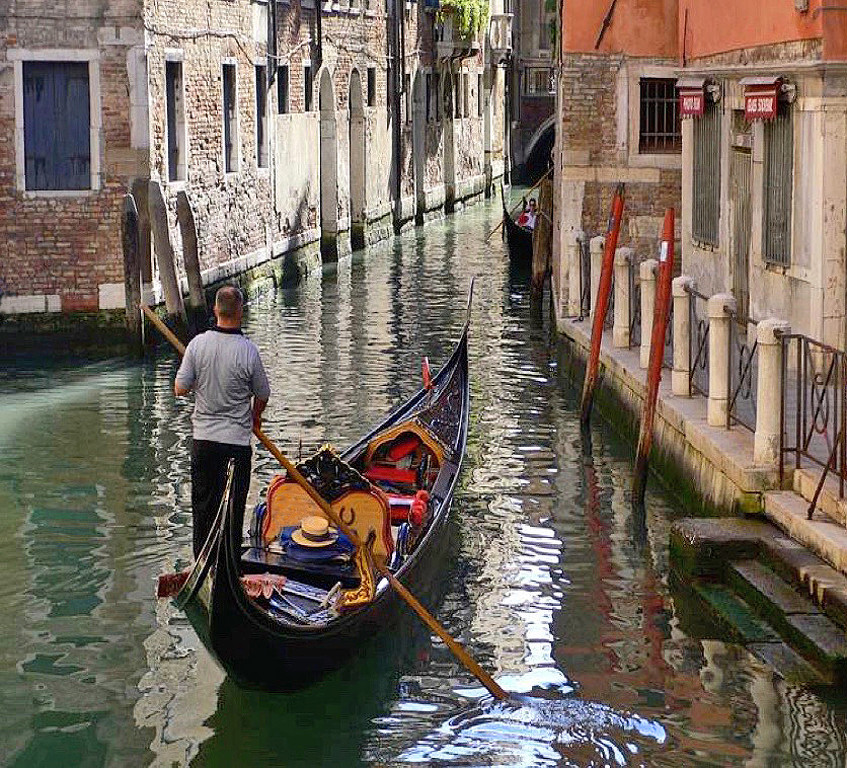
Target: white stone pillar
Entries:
(769, 391)
(620, 329)
(719, 308)
(681, 375)
(574, 272)
(596, 246)
(648, 303)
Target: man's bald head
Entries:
(228, 303)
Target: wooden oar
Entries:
(514, 207)
(457, 649)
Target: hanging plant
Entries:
(470, 16)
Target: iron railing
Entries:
(813, 415)
(698, 343)
(634, 305)
(742, 376)
(584, 277)
(667, 357)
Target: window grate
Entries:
(707, 176)
(779, 177)
(660, 127)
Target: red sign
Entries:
(692, 103)
(760, 103)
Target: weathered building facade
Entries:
(617, 121)
(297, 130)
(765, 158)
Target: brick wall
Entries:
(61, 246)
(62, 251)
(598, 145)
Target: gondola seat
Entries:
(365, 511)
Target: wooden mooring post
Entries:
(165, 257)
(542, 242)
(197, 312)
(661, 313)
(601, 304)
(131, 243)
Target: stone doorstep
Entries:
(825, 538)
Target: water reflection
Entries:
(544, 579)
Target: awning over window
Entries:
(761, 97)
(692, 96)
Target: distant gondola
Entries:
(291, 640)
(518, 238)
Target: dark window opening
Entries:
(261, 117)
(371, 86)
(282, 80)
(660, 129)
(480, 96)
(307, 88)
(175, 111)
(230, 119)
(57, 125)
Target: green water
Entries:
(543, 581)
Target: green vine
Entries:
(470, 15)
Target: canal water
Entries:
(543, 579)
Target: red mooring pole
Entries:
(602, 304)
(661, 313)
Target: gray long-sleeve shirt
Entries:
(225, 371)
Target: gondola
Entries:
(518, 239)
(299, 635)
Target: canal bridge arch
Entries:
(538, 153)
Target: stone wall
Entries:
(63, 252)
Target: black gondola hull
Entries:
(518, 239)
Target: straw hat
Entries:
(314, 531)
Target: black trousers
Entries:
(209, 462)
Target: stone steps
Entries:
(793, 615)
(768, 592)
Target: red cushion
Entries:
(402, 448)
(392, 475)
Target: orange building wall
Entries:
(638, 28)
(717, 26)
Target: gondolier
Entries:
(231, 389)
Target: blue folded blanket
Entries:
(342, 546)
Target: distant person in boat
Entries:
(231, 389)
(529, 216)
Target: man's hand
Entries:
(258, 408)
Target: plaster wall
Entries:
(637, 28)
(707, 28)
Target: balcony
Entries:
(500, 36)
(450, 44)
